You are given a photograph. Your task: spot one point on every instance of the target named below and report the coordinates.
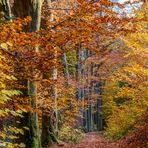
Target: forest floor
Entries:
(91, 140)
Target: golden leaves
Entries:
(4, 45)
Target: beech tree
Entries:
(41, 42)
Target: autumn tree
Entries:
(41, 49)
(125, 93)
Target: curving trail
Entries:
(91, 140)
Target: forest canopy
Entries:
(70, 68)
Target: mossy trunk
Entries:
(35, 141)
(48, 132)
(22, 9)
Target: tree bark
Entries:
(66, 70)
(22, 9)
(31, 8)
(48, 132)
(34, 123)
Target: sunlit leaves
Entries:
(4, 45)
(128, 102)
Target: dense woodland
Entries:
(70, 67)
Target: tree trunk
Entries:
(8, 8)
(32, 86)
(22, 9)
(34, 123)
(31, 8)
(48, 131)
(55, 93)
(66, 70)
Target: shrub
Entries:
(70, 134)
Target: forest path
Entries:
(91, 140)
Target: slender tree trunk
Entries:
(8, 7)
(79, 80)
(54, 76)
(48, 131)
(89, 118)
(66, 70)
(86, 117)
(79, 71)
(55, 93)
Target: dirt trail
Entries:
(91, 140)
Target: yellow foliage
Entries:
(126, 94)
